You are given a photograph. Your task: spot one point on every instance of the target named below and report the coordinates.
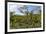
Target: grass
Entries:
(30, 21)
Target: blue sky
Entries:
(14, 7)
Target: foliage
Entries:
(32, 21)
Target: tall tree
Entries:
(12, 19)
(24, 10)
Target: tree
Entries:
(24, 10)
(12, 19)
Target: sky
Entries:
(14, 7)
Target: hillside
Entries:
(32, 21)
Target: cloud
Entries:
(14, 7)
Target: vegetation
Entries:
(33, 21)
(29, 20)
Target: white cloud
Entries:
(14, 7)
